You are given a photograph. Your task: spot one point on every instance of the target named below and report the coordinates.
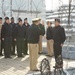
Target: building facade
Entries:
(23, 8)
(62, 13)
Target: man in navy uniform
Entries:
(41, 26)
(26, 24)
(6, 33)
(33, 38)
(18, 21)
(59, 39)
(49, 37)
(19, 37)
(13, 25)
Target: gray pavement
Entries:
(20, 66)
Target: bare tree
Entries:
(69, 12)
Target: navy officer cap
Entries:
(58, 20)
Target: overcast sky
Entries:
(53, 4)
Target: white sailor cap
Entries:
(35, 19)
(39, 18)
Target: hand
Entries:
(44, 36)
(52, 40)
(3, 39)
(61, 45)
(43, 23)
(14, 39)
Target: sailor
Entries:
(26, 24)
(59, 39)
(13, 25)
(6, 34)
(19, 37)
(18, 21)
(49, 37)
(33, 38)
(40, 38)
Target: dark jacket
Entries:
(13, 25)
(49, 34)
(20, 32)
(33, 34)
(59, 35)
(42, 28)
(6, 30)
(26, 27)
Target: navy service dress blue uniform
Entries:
(6, 33)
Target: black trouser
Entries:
(20, 46)
(57, 50)
(13, 46)
(7, 46)
(2, 46)
(25, 47)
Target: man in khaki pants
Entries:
(49, 37)
(41, 26)
(33, 38)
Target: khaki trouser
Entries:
(33, 52)
(50, 47)
(40, 44)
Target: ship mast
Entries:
(3, 9)
(69, 16)
(10, 8)
(69, 12)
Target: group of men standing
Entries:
(55, 39)
(24, 36)
(13, 35)
(35, 33)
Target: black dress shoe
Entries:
(1, 54)
(13, 54)
(8, 57)
(36, 70)
(25, 54)
(40, 53)
(20, 56)
(49, 55)
(5, 57)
